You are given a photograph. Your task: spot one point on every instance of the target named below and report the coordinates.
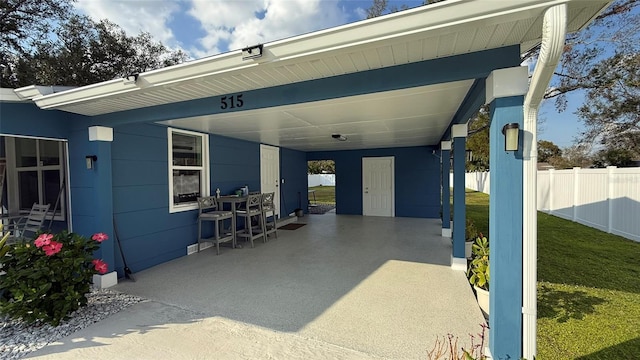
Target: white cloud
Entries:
(226, 24)
(231, 25)
(135, 16)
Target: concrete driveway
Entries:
(341, 287)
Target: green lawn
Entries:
(588, 288)
(324, 194)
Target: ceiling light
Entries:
(339, 137)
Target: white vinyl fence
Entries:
(606, 199)
(321, 179)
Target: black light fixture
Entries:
(339, 137)
(90, 159)
(511, 134)
(252, 52)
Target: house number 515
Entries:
(231, 102)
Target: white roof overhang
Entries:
(444, 29)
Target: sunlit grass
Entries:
(588, 290)
(324, 194)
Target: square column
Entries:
(101, 176)
(445, 154)
(459, 135)
(505, 88)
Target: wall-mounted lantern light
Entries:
(90, 160)
(511, 134)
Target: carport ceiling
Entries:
(411, 117)
(449, 28)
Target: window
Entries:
(188, 169)
(36, 172)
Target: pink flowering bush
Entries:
(47, 279)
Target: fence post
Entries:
(576, 192)
(610, 195)
(552, 172)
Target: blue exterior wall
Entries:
(417, 179)
(149, 234)
(293, 169)
(28, 119)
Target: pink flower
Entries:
(100, 265)
(52, 248)
(100, 237)
(43, 239)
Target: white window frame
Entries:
(13, 173)
(204, 169)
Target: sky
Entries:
(207, 27)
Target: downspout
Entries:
(554, 29)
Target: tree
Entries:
(81, 52)
(381, 7)
(573, 156)
(603, 62)
(24, 21)
(547, 150)
(478, 141)
(613, 157)
(321, 167)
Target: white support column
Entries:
(445, 153)
(459, 134)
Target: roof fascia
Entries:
(417, 20)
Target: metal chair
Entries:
(253, 209)
(208, 211)
(26, 227)
(268, 206)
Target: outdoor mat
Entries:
(291, 226)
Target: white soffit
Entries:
(438, 30)
(419, 116)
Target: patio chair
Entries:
(26, 227)
(268, 206)
(208, 211)
(253, 209)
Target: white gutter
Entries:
(554, 29)
(434, 18)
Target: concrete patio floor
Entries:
(342, 286)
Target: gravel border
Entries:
(319, 209)
(17, 339)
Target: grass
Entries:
(588, 288)
(324, 194)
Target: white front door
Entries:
(378, 186)
(270, 172)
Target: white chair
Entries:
(26, 227)
(208, 211)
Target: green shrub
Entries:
(479, 273)
(47, 279)
(471, 232)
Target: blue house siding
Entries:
(28, 120)
(150, 235)
(417, 179)
(293, 169)
(234, 163)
